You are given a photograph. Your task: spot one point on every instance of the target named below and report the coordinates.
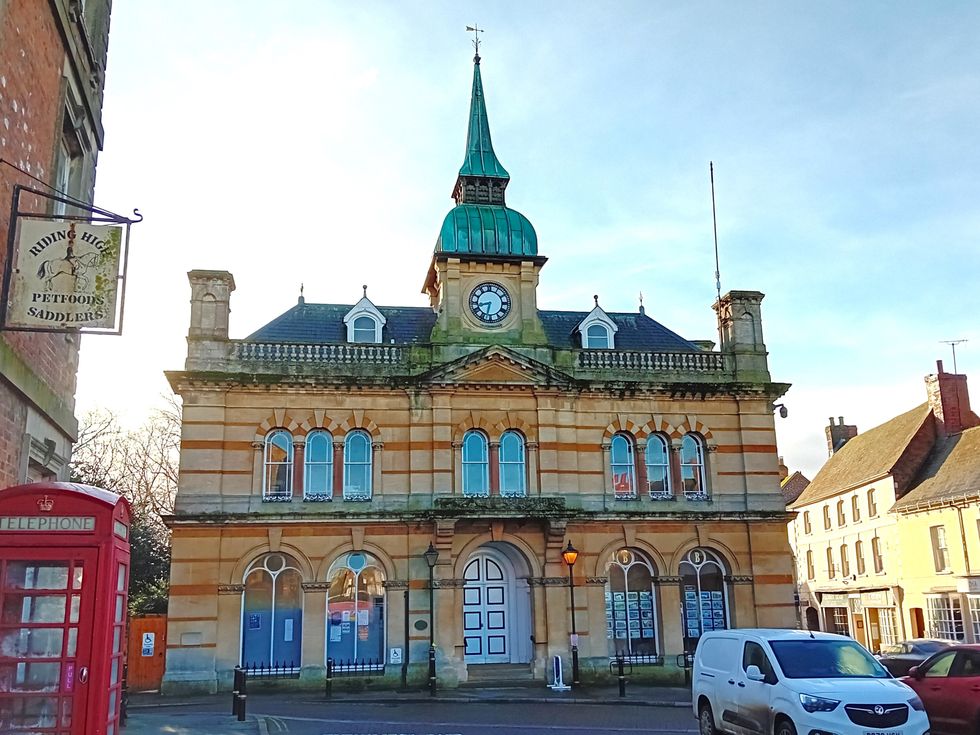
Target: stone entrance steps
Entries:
(498, 676)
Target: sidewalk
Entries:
(171, 722)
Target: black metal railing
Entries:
(344, 668)
(275, 670)
(621, 666)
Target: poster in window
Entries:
(716, 596)
(706, 596)
(619, 596)
(646, 604)
(646, 615)
(632, 596)
(633, 614)
(648, 632)
(693, 633)
(717, 605)
(690, 595)
(254, 621)
(620, 633)
(620, 625)
(335, 633)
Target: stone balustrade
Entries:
(350, 354)
(690, 362)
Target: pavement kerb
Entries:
(508, 700)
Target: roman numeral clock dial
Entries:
(490, 303)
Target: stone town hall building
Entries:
(322, 455)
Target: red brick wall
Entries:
(32, 58)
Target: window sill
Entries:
(277, 498)
(318, 498)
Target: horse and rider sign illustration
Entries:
(66, 274)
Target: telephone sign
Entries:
(64, 575)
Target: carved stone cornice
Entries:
(315, 586)
(395, 584)
(596, 581)
(547, 581)
(230, 589)
(448, 583)
(739, 578)
(667, 580)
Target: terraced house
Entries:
(341, 454)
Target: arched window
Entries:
(513, 470)
(356, 611)
(704, 593)
(692, 467)
(631, 606)
(476, 464)
(272, 613)
(845, 562)
(597, 337)
(365, 330)
(658, 467)
(623, 467)
(859, 556)
(277, 479)
(318, 467)
(831, 570)
(357, 466)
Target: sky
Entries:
(318, 143)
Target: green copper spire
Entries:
(480, 159)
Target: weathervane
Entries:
(476, 30)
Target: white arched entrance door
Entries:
(496, 610)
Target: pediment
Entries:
(497, 366)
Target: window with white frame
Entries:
(807, 528)
(366, 330)
(887, 629)
(859, 556)
(597, 337)
(940, 550)
(841, 520)
(277, 475)
(631, 606)
(876, 556)
(845, 562)
(318, 466)
(705, 595)
(356, 612)
(622, 466)
(974, 603)
(872, 503)
(357, 466)
(476, 464)
(831, 572)
(513, 466)
(826, 517)
(944, 617)
(272, 614)
(658, 467)
(809, 565)
(855, 509)
(837, 621)
(692, 467)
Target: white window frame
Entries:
(363, 308)
(887, 628)
(944, 617)
(353, 329)
(845, 561)
(700, 470)
(340, 565)
(658, 469)
(317, 494)
(469, 438)
(878, 558)
(260, 565)
(597, 317)
(629, 466)
(872, 503)
(270, 494)
(636, 559)
(810, 570)
(940, 549)
(519, 462)
(973, 603)
(855, 509)
(859, 558)
(831, 570)
(349, 492)
(807, 526)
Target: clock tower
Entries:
(483, 278)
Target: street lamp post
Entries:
(569, 556)
(431, 556)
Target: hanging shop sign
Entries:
(66, 274)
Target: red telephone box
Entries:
(64, 574)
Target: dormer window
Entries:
(365, 330)
(598, 330)
(597, 338)
(364, 322)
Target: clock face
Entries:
(490, 303)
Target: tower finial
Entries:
(595, 296)
(476, 41)
(302, 299)
(365, 290)
(642, 310)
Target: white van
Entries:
(794, 682)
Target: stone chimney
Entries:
(207, 337)
(838, 435)
(949, 400)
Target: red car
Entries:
(948, 683)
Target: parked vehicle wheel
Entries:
(706, 721)
(785, 727)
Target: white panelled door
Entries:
(486, 612)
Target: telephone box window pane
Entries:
(30, 677)
(119, 608)
(24, 713)
(76, 601)
(31, 643)
(112, 703)
(121, 578)
(72, 642)
(26, 575)
(114, 675)
(115, 639)
(28, 609)
(66, 712)
(79, 575)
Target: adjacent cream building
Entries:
(887, 536)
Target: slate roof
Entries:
(636, 332)
(793, 486)
(952, 471)
(865, 457)
(324, 324)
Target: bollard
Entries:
(328, 684)
(432, 671)
(236, 687)
(241, 707)
(620, 664)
